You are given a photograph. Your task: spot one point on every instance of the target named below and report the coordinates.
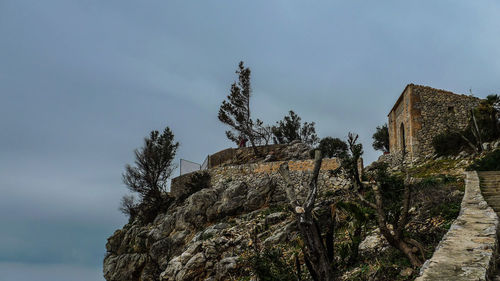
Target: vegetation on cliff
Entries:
(235, 112)
(148, 177)
(484, 126)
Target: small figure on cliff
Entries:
(243, 141)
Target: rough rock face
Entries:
(206, 235)
(202, 237)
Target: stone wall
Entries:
(421, 113)
(402, 122)
(300, 171)
(440, 110)
(469, 248)
(227, 156)
(245, 155)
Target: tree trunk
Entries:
(254, 147)
(314, 250)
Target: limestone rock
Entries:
(373, 243)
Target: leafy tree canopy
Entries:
(332, 147)
(153, 165)
(235, 112)
(290, 129)
(381, 138)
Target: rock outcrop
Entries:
(204, 236)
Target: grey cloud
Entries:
(81, 84)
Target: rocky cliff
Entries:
(212, 233)
(206, 235)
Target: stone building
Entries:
(421, 113)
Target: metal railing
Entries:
(187, 167)
(205, 164)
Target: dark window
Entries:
(451, 109)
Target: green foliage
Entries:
(269, 265)
(432, 168)
(434, 180)
(349, 160)
(332, 147)
(392, 187)
(448, 210)
(290, 129)
(487, 114)
(128, 206)
(381, 138)
(153, 167)
(235, 112)
(449, 143)
(490, 162)
(487, 117)
(149, 209)
(358, 217)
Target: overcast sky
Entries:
(82, 83)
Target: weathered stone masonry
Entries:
(421, 113)
(300, 172)
(469, 248)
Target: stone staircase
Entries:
(490, 188)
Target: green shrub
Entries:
(491, 162)
(448, 210)
(149, 209)
(269, 265)
(332, 147)
(448, 143)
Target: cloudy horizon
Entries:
(83, 82)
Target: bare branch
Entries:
(290, 192)
(313, 185)
(418, 245)
(366, 202)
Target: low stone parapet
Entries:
(299, 171)
(469, 249)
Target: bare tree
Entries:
(263, 133)
(394, 234)
(318, 258)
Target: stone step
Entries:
(488, 172)
(490, 193)
(490, 188)
(492, 197)
(492, 202)
(489, 182)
